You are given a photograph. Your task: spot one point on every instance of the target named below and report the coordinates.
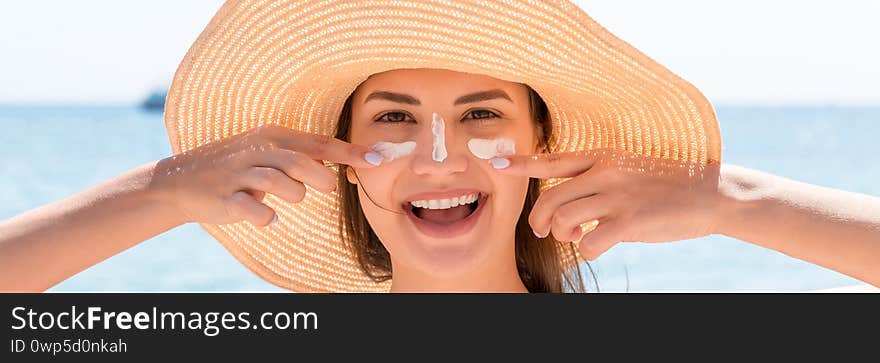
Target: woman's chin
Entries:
(450, 260)
(450, 253)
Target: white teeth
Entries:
(445, 203)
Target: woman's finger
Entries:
(599, 240)
(551, 199)
(273, 181)
(300, 167)
(568, 219)
(242, 206)
(548, 165)
(258, 195)
(323, 147)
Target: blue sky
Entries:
(748, 51)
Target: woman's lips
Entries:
(454, 229)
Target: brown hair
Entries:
(538, 260)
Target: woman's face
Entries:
(397, 106)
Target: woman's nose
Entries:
(427, 161)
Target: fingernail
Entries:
(536, 234)
(499, 163)
(373, 158)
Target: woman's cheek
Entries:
(378, 183)
(510, 193)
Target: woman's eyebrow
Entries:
(410, 100)
(393, 97)
(482, 96)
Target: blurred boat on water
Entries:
(155, 101)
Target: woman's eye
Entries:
(393, 117)
(481, 114)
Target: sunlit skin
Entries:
(484, 257)
(633, 198)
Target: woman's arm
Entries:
(637, 198)
(218, 183)
(44, 246)
(832, 228)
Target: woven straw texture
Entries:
(293, 63)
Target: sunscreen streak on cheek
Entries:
(394, 150)
(438, 129)
(491, 148)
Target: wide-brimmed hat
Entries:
(295, 62)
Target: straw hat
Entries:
(294, 63)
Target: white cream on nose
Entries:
(491, 148)
(438, 129)
(394, 150)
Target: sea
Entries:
(50, 152)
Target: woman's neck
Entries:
(497, 275)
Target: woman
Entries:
(595, 146)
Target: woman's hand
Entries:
(632, 197)
(225, 181)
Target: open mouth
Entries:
(446, 217)
(447, 214)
